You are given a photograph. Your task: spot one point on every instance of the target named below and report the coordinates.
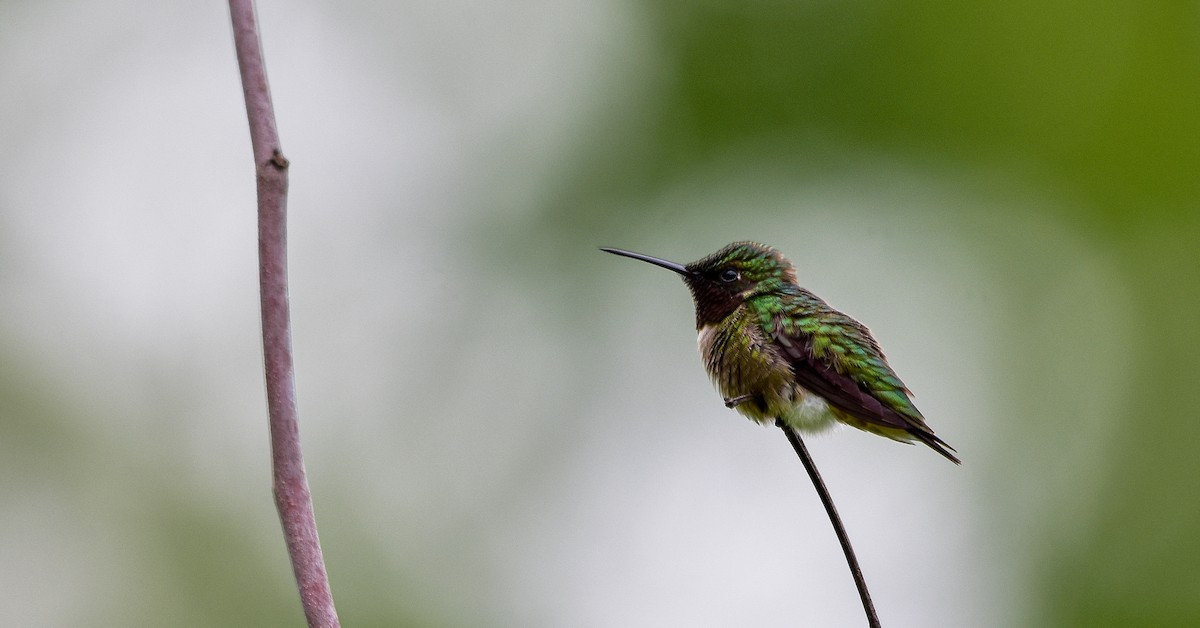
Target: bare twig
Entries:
(292, 497)
(831, 510)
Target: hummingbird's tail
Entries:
(936, 444)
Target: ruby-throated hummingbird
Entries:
(777, 352)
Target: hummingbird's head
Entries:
(724, 280)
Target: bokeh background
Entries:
(505, 427)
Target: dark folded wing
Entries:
(839, 380)
(839, 386)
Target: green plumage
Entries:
(778, 352)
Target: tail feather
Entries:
(936, 444)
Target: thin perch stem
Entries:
(292, 497)
(831, 510)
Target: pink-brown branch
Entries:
(292, 497)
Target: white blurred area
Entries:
(508, 430)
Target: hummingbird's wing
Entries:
(835, 357)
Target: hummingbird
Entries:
(778, 353)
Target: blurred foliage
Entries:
(1096, 97)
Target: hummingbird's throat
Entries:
(713, 303)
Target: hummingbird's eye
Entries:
(729, 275)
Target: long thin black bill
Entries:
(679, 268)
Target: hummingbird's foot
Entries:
(733, 402)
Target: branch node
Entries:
(278, 160)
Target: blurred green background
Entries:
(505, 427)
